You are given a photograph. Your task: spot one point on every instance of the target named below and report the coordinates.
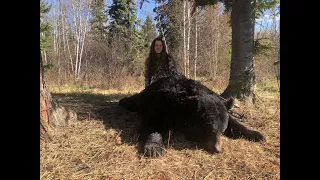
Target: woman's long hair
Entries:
(149, 63)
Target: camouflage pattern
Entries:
(162, 69)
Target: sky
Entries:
(265, 21)
(147, 8)
(261, 23)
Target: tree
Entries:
(99, 19)
(45, 106)
(81, 13)
(242, 75)
(196, 47)
(169, 21)
(139, 41)
(51, 114)
(122, 17)
(44, 29)
(161, 18)
(45, 96)
(261, 7)
(148, 30)
(123, 21)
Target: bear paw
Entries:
(255, 136)
(154, 146)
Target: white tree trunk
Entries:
(80, 34)
(184, 38)
(76, 43)
(215, 68)
(83, 40)
(54, 26)
(275, 36)
(212, 43)
(196, 47)
(43, 53)
(188, 38)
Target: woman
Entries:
(159, 63)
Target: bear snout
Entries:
(213, 144)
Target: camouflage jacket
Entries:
(162, 69)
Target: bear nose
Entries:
(213, 145)
(216, 149)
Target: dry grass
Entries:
(104, 147)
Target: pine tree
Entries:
(168, 22)
(139, 43)
(161, 19)
(44, 26)
(149, 31)
(99, 19)
(122, 17)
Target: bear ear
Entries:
(229, 103)
(193, 102)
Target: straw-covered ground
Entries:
(103, 144)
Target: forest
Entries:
(93, 52)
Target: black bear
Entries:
(181, 104)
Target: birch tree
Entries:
(81, 12)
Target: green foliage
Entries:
(122, 16)
(139, 51)
(124, 26)
(99, 19)
(162, 20)
(149, 31)
(205, 2)
(141, 42)
(44, 8)
(202, 3)
(48, 66)
(45, 42)
(262, 47)
(44, 26)
(138, 42)
(263, 5)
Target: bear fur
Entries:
(180, 104)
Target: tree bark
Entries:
(184, 39)
(51, 114)
(188, 39)
(212, 53)
(175, 36)
(216, 43)
(45, 106)
(196, 47)
(242, 75)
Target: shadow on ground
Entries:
(103, 108)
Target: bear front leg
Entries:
(154, 145)
(237, 129)
(151, 145)
(150, 141)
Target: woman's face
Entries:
(158, 47)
